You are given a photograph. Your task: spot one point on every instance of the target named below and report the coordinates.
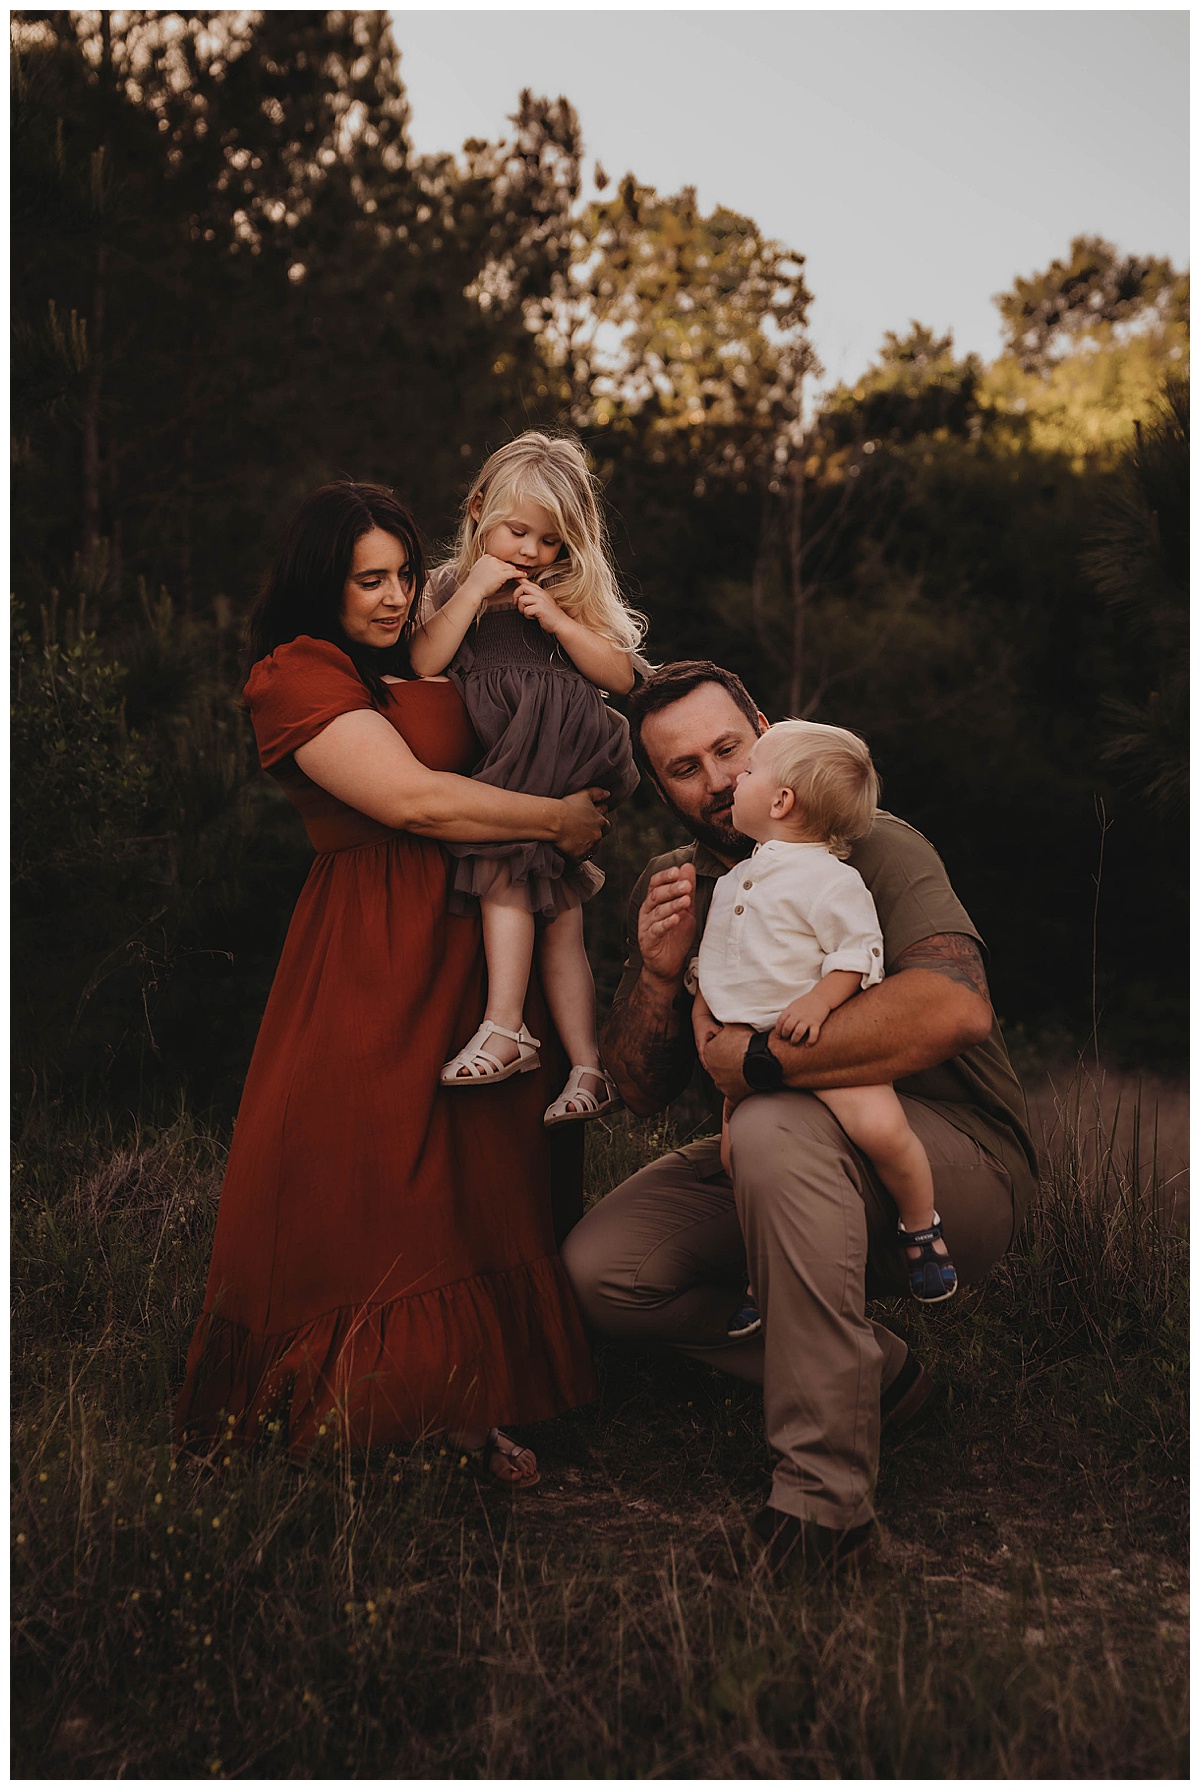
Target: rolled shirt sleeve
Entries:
(846, 927)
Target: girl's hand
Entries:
(535, 605)
(488, 577)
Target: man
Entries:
(659, 1258)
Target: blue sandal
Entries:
(746, 1320)
(931, 1276)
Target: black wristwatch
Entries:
(762, 1073)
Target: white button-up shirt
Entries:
(780, 922)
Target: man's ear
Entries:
(785, 801)
(763, 723)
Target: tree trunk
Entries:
(186, 579)
(762, 559)
(91, 411)
(795, 545)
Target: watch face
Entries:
(760, 1070)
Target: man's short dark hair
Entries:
(671, 682)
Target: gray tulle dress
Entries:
(545, 731)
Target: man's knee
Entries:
(589, 1265)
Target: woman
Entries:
(383, 1264)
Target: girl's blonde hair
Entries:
(829, 771)
(550, 470)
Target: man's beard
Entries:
(715, 829)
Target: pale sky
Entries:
(918, 160)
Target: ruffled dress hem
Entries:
(341, 1377)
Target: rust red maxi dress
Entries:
(384, 1262)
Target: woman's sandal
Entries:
(931, 1275)
(482, 1065)
(587, 1105)
(499, 1452)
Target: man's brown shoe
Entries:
(910, 1398)
(792, 1544)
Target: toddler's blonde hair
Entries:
(550, 470)
(829, 771)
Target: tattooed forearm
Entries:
(647, 1046)
(951, 954)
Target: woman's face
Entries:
(378, 593)
(525, 536)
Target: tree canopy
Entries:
(233, 279)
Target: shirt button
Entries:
(747, 885)
(874, 950)
(739, 909)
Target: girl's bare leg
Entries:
(508, 932)
(571, 992)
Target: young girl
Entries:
(792, 933)
(528, 621)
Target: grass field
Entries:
(1025, 1614)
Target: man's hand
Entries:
(723, 1055)
(704, 1026)
(666, 931)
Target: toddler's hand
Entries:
(535, 605)
(801, 1021)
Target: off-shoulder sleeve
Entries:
(296, 691)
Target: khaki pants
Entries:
(662, 1260)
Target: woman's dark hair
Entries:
(302, 590)
(669, 683)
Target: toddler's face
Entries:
(753, 794)
(526, 537)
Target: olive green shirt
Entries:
(977, 1091)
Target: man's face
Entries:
(696, 748)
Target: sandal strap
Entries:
(920, 1238)
(582, 1098)
(520, 1036)
(473, 1052)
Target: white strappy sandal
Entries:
(587, 1105)
(482, 1065)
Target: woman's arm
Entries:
(602, 663)
(432, 646)
(361, 759)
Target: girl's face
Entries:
(525, 536)
(377, 595)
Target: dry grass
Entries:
(1025, 1614)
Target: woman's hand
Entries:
(585, 822)
(537, 606)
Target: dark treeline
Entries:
(234, 280)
